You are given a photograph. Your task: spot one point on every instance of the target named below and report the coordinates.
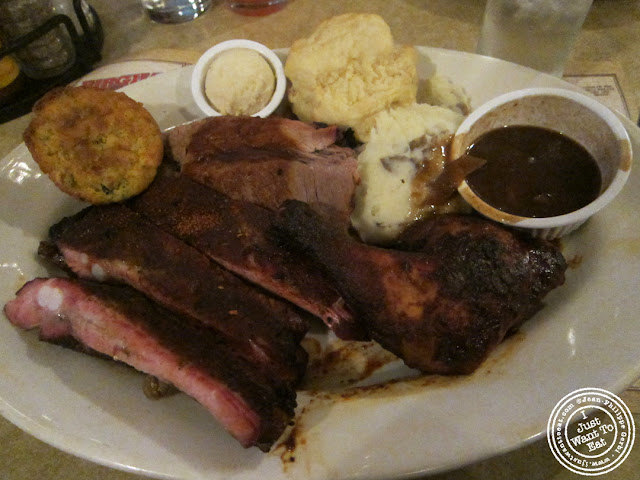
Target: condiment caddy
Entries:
(72, 32)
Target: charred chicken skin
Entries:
(450, 292)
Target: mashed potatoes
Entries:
(239, 82)
(440, 90)
(404, 142)
(348, 70)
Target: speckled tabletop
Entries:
(609, 41)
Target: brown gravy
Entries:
(533, 172)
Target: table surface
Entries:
(610, 39)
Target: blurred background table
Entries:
(609, 43)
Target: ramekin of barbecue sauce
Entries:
(553, 158)
(534, 172)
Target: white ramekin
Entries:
(573, 114)
(202, 66)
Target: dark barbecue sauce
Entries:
(533, 172)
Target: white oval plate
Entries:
(586, 336)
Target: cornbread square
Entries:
(96, 145)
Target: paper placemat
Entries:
(606, 82)
(605, 87)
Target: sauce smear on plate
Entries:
(534, 172)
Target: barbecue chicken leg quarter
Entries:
(450, 292)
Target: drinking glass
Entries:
(175, 11)
(536, 33)
(256, 7)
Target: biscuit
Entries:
(349, 69)
(96, 145)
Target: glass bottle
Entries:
(66, 7)
(10, 79)
(48, 55)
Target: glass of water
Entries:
(536, 33)
(175, 11)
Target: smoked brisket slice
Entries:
(267, 161)
(114, 244)
(235, 234)
(325, 180)
(121, 323)
(230, 133)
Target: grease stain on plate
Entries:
(344, 371)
